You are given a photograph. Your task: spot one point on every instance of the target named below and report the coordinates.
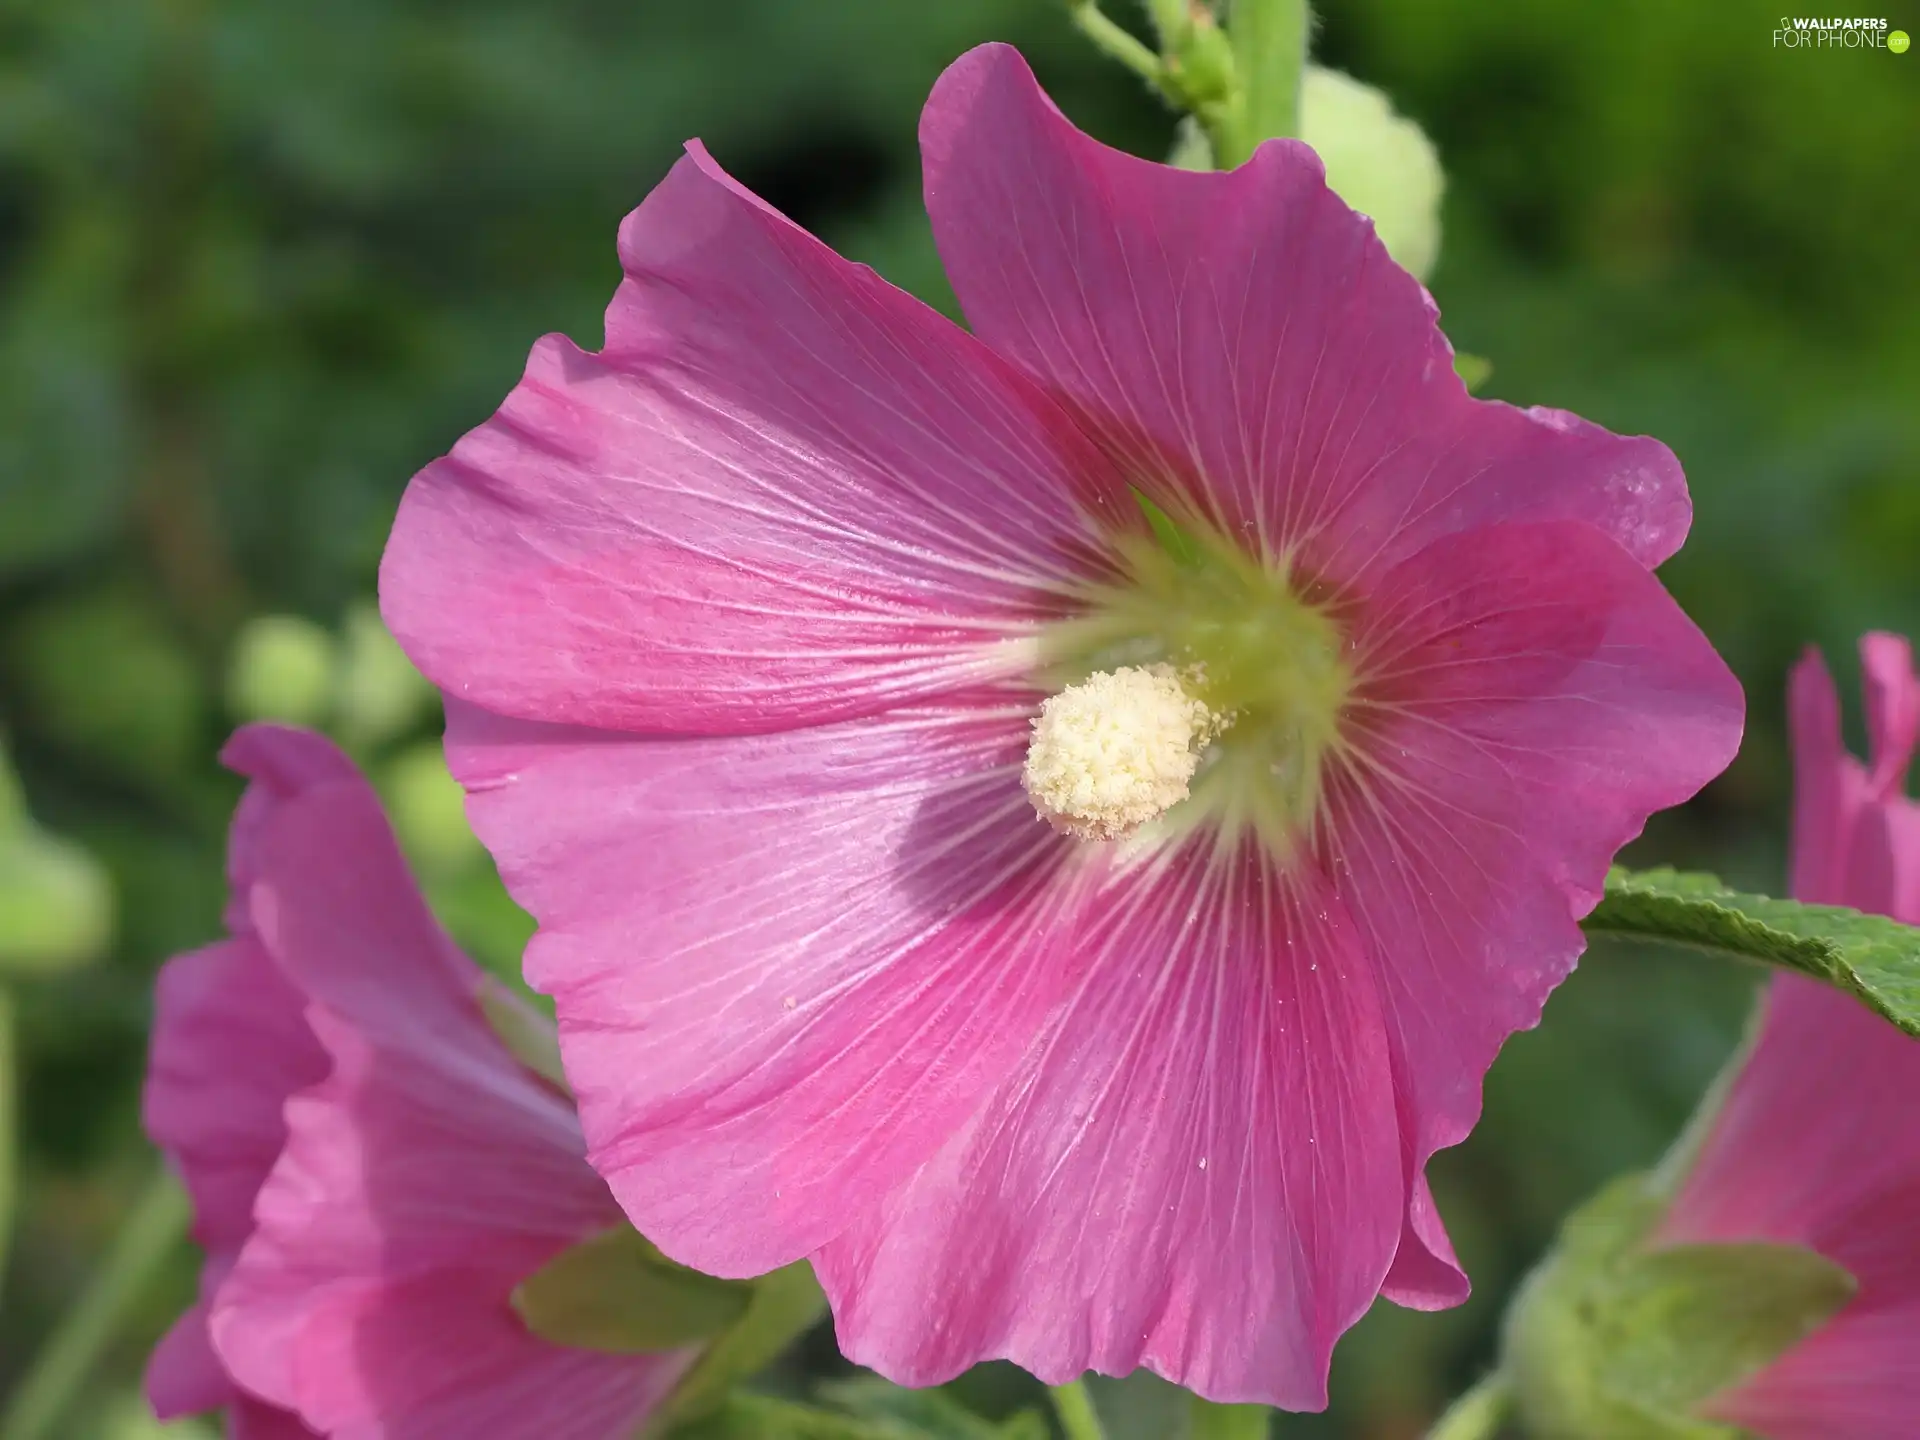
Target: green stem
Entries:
(1478, 1414)
(1270, 57)
(157, 1224)
(1118, 44)
(1074, 1406)
(1208, 1421)
(1171, 21)
(9, 1128)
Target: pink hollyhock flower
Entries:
(768, 629)
(372, 1172)
(1817, 1143)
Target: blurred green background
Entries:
(259, 262)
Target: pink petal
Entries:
(250, 1419)
(786, 967)
(1426, 1274)
(1829, 787)
(426, 1357)
(230, 1044)
(1815, 1145)
(1893, 708)
(1857, 1377)
(184, 1377)
(1529, 695)
(1193, 1167)
(280, 761)
(1886, 862)
(1243, 341)
(784, 492)
(1819, 1121)
(428, 1163)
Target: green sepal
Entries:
(1473, 370)
(1871, 957)
(1611, 1340)
(1686, 1321)
(1172, 539)
(617, 1293)
(933, 1414)
(783, 1306)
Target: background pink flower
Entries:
(372, 1171)
(1818, 1143)
(743, 622)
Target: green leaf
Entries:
(1473, 370)
(1869, 956)
(784, 1305)
(617, 1293)
(1685, 1321)
(930, 1413)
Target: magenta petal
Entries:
(250, 1419)
(786, 966)
(184, 1377)
(1426, 1274)
(1816, 1145)
(1829, 786)
(280, 762)
(230, 1044)
(423, 1179)
(785, 491)
(1242, 339)
(1194, 1167)
(1530, 694)
(1819, 1121)
(440, 1354)
(1893, 708)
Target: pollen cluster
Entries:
(1116, 750)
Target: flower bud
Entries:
(281, 668)
(56, 903)
(428, 810)
(1379, 162)
(381, 694)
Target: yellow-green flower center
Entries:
(1261, 670)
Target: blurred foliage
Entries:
(260, 262)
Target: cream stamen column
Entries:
(1116, 750)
